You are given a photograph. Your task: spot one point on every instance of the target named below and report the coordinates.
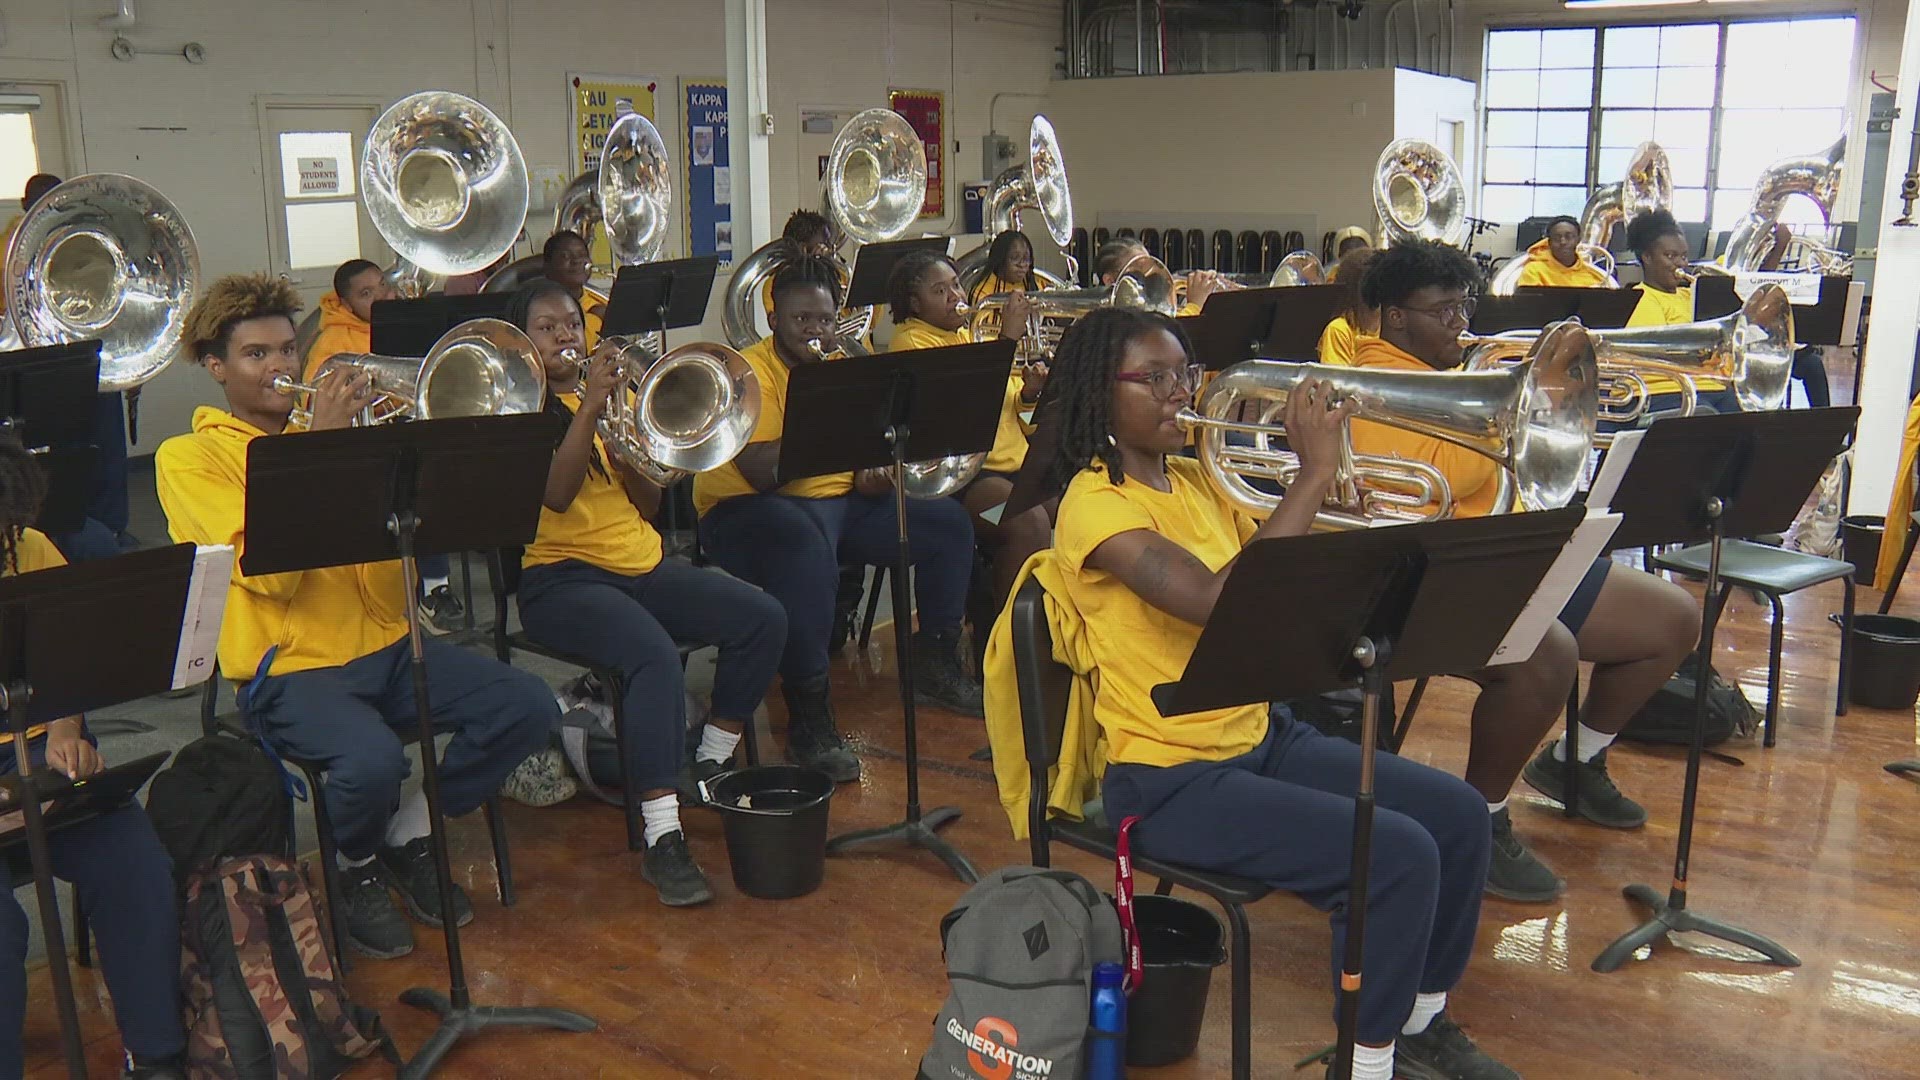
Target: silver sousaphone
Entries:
(1419, 195)
(1039, 184)
(104, 257)
(445, 183)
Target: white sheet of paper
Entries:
(1801, 289)
(200, 623)
(1607, 482)
(1556, 588)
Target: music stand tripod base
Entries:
(1670, 915)
(457, 1024)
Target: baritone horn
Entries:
(1750, 350)
(1534, 418)
(1144, 284)
(482, 367)
(108, 258)
(686, 412)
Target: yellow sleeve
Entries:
(1090, 515)
(1187, 309)
(34, 551)
(204, 506)
(1336, 343)
(592, 323)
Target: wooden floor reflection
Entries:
(1811, 843)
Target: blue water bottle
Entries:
(1107, 1048)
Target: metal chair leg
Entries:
(629, 785)
(1775, 637)
(873, 606)
(1242, 954)
(502, 865)
(329, 865)
(1571, 749)
(1846, 639)
(1165, 888)
(1900, 571)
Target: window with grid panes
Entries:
(1565, 108)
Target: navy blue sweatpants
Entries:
(1282, 814)
(125, 881)
(634, 625)
(353, 718)
(793, 549)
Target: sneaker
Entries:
(374, 926)
(410, 870)
(1513, 873)
(939, 679)
(544, 779)
(1444, 1052)
(1600, 801)
(669, 867)
(696, 771)
(443, 611)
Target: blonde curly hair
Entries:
(232, 300)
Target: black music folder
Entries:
(1283, 323)
(1819, 323)
(1534, 306)
(873, 264)
(659, 296)
(410, 327)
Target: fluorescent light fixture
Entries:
(1584, 5)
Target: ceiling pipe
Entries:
(121, 19)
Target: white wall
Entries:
(1280, 150)
(194, 131)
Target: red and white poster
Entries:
(926, 111)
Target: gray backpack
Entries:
(1020, 949)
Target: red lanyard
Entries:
(1123, 902)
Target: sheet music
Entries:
(1607, 483)
(200, 623)
(1801, 289)
(1556, 588)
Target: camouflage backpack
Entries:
(263, 999)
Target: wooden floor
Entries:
(1811, 843)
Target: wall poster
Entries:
(707, 177)
(926, 111)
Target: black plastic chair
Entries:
(1077, 247)
(1150, 239)
(1044, 685)
(1175, 250)
(1246, 252)
(503, 570)
(1773, 572)
(1222, 258)
(1196, 250)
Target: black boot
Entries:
(939, 677)
(813, 740)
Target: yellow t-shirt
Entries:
(1136, 646)
(591, 321)
(1658, 308)
(1473, 477)
(316, 618)
(1339, 340)
(6, 241)
(993, 284)
(601, 527)
(714, 486)
(1543, 269)
(32, 551)
(1010, 438)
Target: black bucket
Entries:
(1886, 662)
(776, 825)
(1860, 536)
(1181, 943)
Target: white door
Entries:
(311, 165)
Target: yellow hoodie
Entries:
(1900, 508)
(316, 618)
(341, 331)
(1075, 778)
(1543, 269)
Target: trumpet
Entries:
(482, 367)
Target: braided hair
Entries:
(908, 275)
(807, 272)
(22, 487)
(1080, 385)
(1002, 249)
(520, 313)
(804, 225)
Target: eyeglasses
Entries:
(1163, 383)
(1458, 311)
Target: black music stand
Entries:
(1688, 482)
(47, 396)
(870, 411)
(1533, 306)
(1819, 323)
(54, 627)
(873, 265)
(410, 327)
(1371, 607)
(658, 297)
(369, 494)
(1279, 323)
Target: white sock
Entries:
(428, 584)
(661, 815)
(1496, 807)
(1373, 1062)
(716, 743)
(1591, 743)
(350, 864)
(410, 821)
(1425, 1008)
